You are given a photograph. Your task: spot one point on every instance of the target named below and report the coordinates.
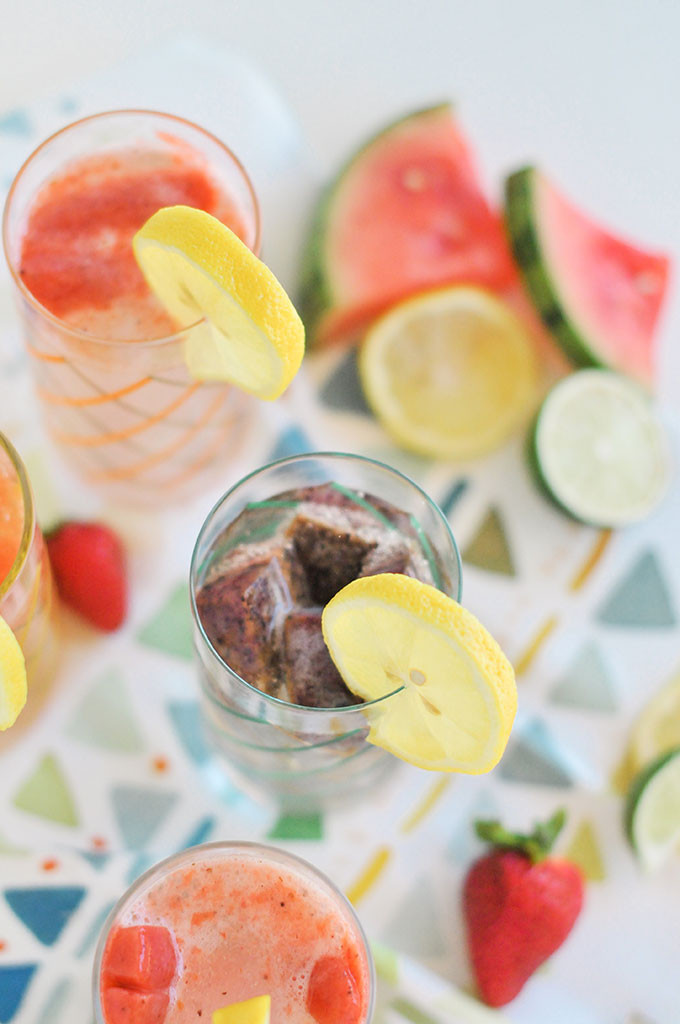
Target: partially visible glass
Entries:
(26, 590)
(322, 896)
(304, 758)
(126, 414)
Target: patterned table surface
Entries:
(113, 773)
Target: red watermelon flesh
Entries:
(406, 215)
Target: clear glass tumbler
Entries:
(304, 758)
(126, 413)
(178, 894)
(26, 590)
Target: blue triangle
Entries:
(453, 495)
(186, 718)
(15, 122)
(13, 984)
(534, 757)
(199, 833)
(45, 911)
(292, 441)
(640, 599)
(343, 389)
(586, 683)
(97, 858)
(139, 812)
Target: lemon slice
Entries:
(252, 1011)
(13, 688)
(197, 267)
(657, 729)
(450, 373)
(653, 810)
(456, 697)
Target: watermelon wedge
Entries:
(598, 295)
(405, 214)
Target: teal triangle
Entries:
(534, 757)
(343, 389)
(45, 911)
(186, 718)
(292, 441)
(170, 628)
(414, 929)
(586, 683)
(16, 122)
(140, 811)
(13, 984)
(640, 599)
(200, 832)
(464, 845)
(97, 858)
(298, 826)
(104, 717)
(452, 496)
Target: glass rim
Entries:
(277, 702)
(62, 325)
(227, 846)
(29, 515)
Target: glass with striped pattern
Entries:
(126, 413)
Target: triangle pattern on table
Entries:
(169, 630)
(343, 389)
(14, 982)
(97, 858)
(16, 122)
(46, 794)
(415, 929)
(489, 547)
(104, 717)
(584, 850)
(641, 599)
(535, 757)
(200, 833)
(45, 911)
(140, 811)
(293, 441)
(297, 826)
(586, 684)
(185, 716)
(452, 496)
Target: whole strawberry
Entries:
(519, 906)
(89, 569)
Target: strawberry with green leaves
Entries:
(519, 905)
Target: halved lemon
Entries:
(455, 698)
(197, 267)
(450, 373)
(13, 687)
(251, 1011)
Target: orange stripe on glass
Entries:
(99, 399)
(87, 441)
(596, 553)
(44, 357)
(125, 472)
(370, 875)
(526, 659)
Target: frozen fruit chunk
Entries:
(141, 956)
(331, 544)
(310, 676)
(332, 993)
(126, 1006)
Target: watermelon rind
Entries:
(315, 296)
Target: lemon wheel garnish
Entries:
(449, 373)
(251, 1011)
(197, 267)
(13, 688)
(458, 698)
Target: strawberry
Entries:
(519, 906)
(89, 569)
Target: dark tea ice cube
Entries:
(309, 675)
(331, 543)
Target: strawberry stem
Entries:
(536, 845)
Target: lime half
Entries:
(600, 450)
(653, 810)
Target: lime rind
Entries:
(652, 810)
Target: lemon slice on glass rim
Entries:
(13, 687)
(455, 698)
(197, 267)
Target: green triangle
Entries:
(298, 826)
(104, 717)
(584, 851)
(386, 962)
(46, 794)
(586, 683)
(170, 628)
(489, 548)
(640, 599)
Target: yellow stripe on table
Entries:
(370, 875)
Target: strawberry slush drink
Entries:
(107, 360)
(227, 922)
